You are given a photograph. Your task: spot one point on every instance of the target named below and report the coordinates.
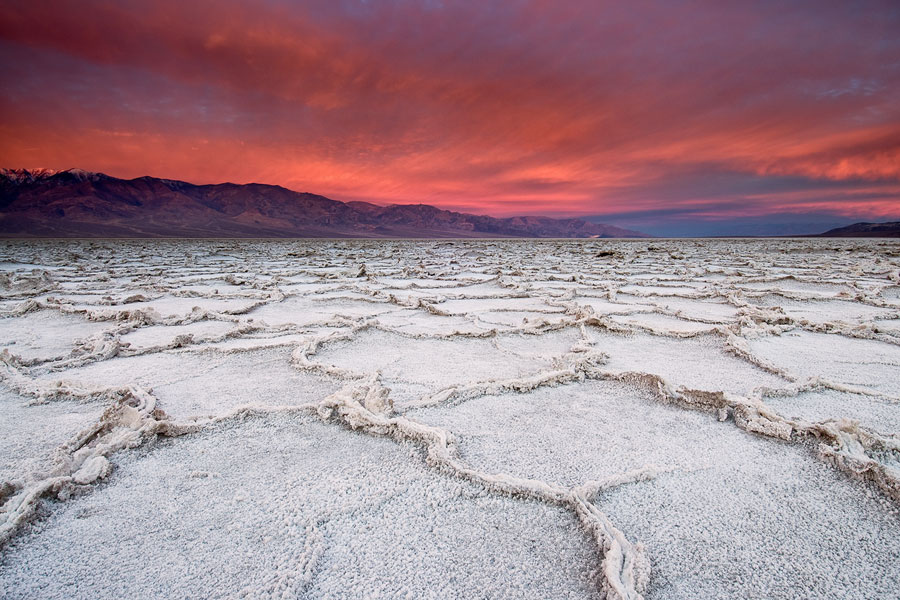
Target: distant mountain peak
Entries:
(26, 175)
(888, 229)
(20, 176)
(79, 203)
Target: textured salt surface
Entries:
(770, 529)
(425, 364)
(699, 363)
(162, 336)
(529, 419)
(657, 322)
(717, 488)
(46, 334)
(824, 404)
(204, 383)
(861, 363)
(301, 508)
(30, 433)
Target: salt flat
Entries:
(450, 419)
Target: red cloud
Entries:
(507, 108)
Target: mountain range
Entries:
(891, 229)
(77, 203)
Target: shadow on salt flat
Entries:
(292, 515)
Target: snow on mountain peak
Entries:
(20, 176)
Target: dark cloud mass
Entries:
(689, 111)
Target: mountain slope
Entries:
(891, 229)
(76, 203)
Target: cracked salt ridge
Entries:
(602, 306)
(826, 311)
(31, 432)
(663, 323)
(476, 306)
(820, 405)
(194, 384)
(127, 421)
(367, 406)
(409, 366)
(730, 529)
(172, 307)
(812, 290)
(705, 311)
(415, 322)
(308, 310)
(859, 364)
(510, 320)
(162, 336)
(702, 362)
(270, 339)
(46, 334)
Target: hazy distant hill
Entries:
(76, 203)
(891, 229)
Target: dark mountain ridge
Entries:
(890, 229)
(77, 203)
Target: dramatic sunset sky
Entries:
(673, 117)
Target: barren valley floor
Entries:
(450, 419)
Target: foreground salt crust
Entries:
(317, 419)
(705, 486)
(296, 508)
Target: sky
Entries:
(673, 117)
